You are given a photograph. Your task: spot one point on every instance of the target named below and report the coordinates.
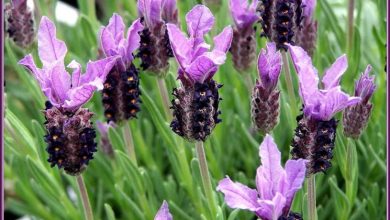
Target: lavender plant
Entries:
(307, 35)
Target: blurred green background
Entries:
(354, 188)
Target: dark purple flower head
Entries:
(155, 12)
(61, 89)
(196, 62)
(365, 86)
(321, 104)
(276, 186)
(163, 213)
(269, 66)
(244, 14)
(113, 41)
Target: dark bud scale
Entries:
(155, 49)
(355, 119)
(70, 138)
(265, 109)
(19, 23)
(291, 216)
(120, 94)
(280, 20)
(307, 37)
(314, 141)
(195, 110)
(243, 48)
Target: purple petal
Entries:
(271, 209)
(269, 66)
(295, 176)
(237, 195)
(333, 75)
(199, 21)
(28, 62)
(223, 40)
(108, 44)
(307, 74)
(205, 66)
(76, 73)
(98, 69)
(80, 95)
(163, 213)
(169, 11)
(244, 15)
(133, 38)
(116, 27)
(335, 101)
(365, 86)
(60, 81)
(181, 46)
(50, 49)
(270, 166)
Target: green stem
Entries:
(84, 198)
(289, 83)
(128, 136)
(204, 172)
(351, 7)
(311, 197)
(165, 97)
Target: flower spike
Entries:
(316, 132)
(70, 135)
(195, 106)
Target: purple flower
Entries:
(104, 140)
(323, 103)
(196, 62)
(243, 13)
(163, 213)
(365, 86)
(62, 90)
(276, 186)
(269, 67)
(113, 42)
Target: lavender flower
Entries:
(195, 108)
(280, 20)
(163, 213)
(121, 92)
(243, 47)
(155, 49)
(307, 35)
(276, 186)
(265, 96)
(355, 118)
(316, 132)
(19, 23)
(70, 135)
(104, 141)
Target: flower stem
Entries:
(128, 136)
(289, 83)
(84, 198)
(164, 95)
(351, 7)
(204, 172)
(311, 197)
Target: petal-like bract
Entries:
(163, 213)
